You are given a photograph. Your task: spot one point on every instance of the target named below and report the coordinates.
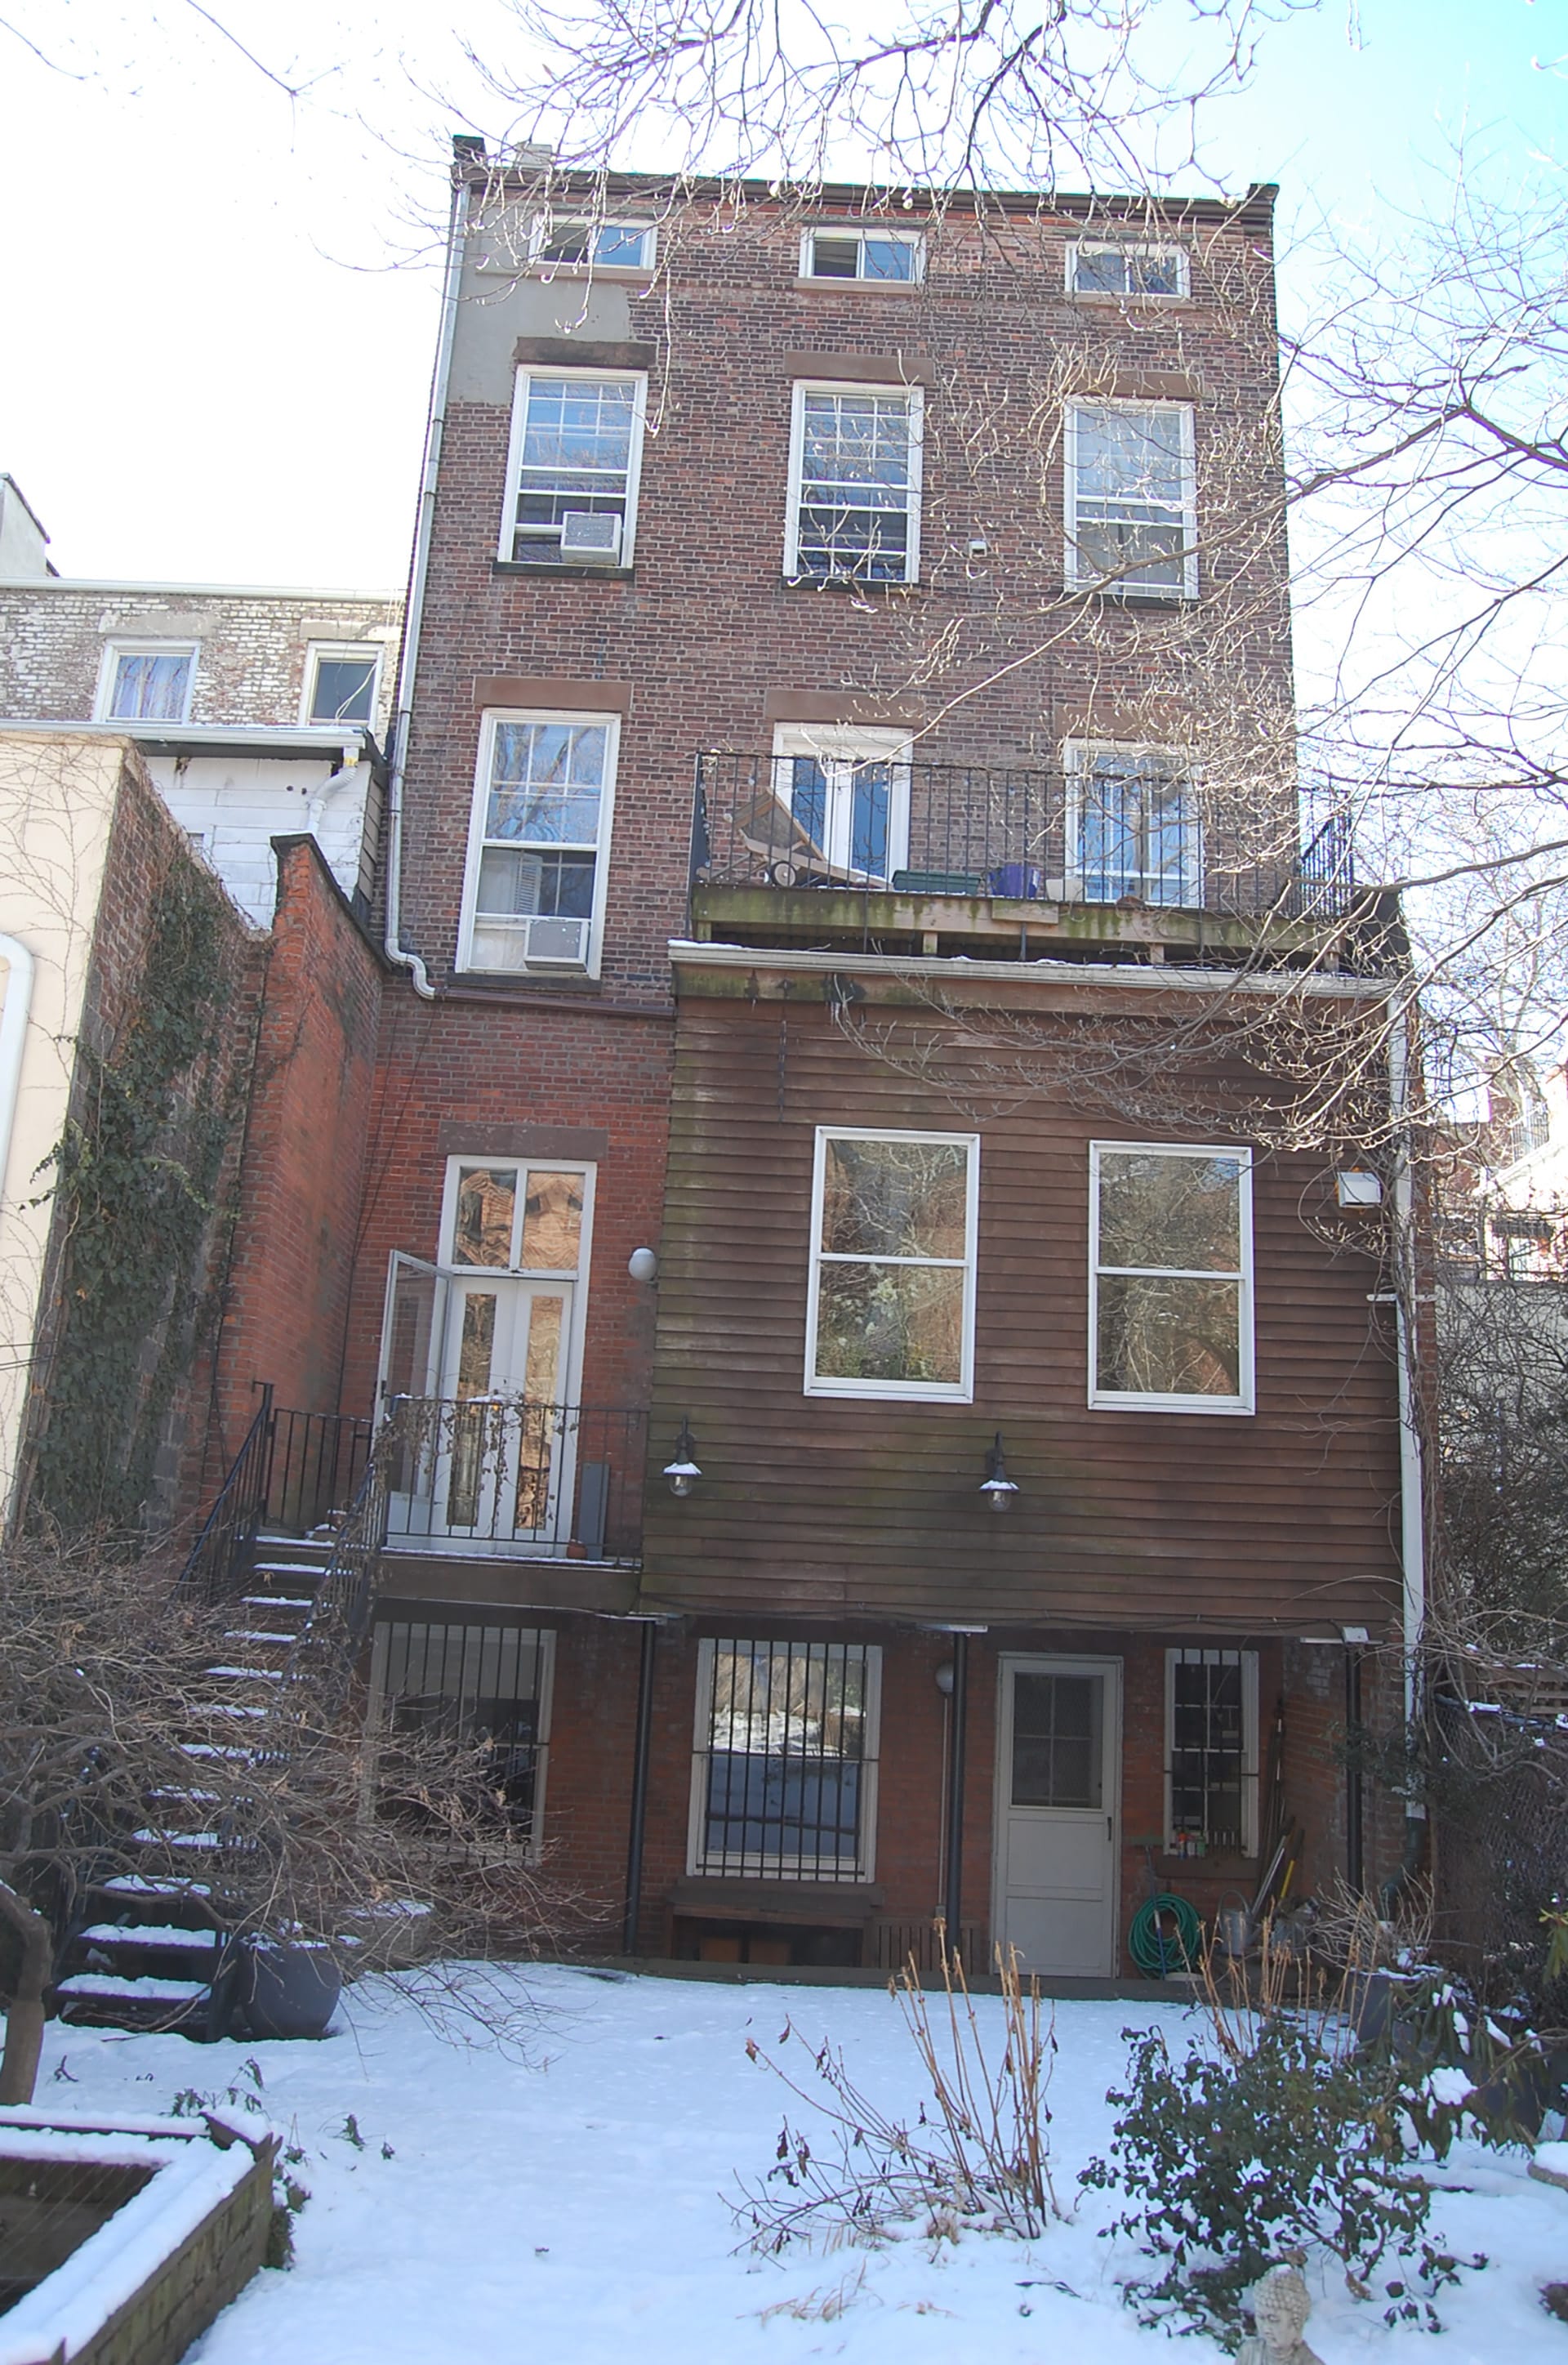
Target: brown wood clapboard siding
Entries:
(1282, 1521)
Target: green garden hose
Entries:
(1166, 1936)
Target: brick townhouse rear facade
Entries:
(870, 1423)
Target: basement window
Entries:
(784, 1769)
(1211, 1753)
(484, 1688)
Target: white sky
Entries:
(217, 306)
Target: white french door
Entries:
(1059, 1750)
(846, 793)
(481, 1361)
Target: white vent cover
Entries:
(563, 942)
(1357, 1188)
(590, 535)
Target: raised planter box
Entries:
(125, 2238)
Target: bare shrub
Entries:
(977, 2157)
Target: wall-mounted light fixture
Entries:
(642, 1264)
(683, 1473)
(944, 1674)
(997, 1487)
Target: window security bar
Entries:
(1123, 832)
(784, 1767)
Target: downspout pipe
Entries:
(21, 972)
(435, 421)
(1412, 1460)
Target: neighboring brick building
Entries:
(258, 713)
(885, 610)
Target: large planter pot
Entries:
(287, 1990)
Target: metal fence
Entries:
(879, 825)
(314, 1465)
(508, 1473)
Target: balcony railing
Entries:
(508, 1475)
(875, 825)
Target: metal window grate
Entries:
(1210, 1775)
(483, 1684)
(785, 1760)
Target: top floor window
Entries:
(1171, 1278)
(875, 254)
(577, 441)
(595, 245)
(1118, 269)
(340, 684)
(854, 484)
(1132, 500)
(147, 682)
(893, 1226)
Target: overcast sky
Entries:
(217, 304)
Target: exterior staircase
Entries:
(154, 1953)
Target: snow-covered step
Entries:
(206, 1841)
(105, 1984)
(148, 1884)
(192, 1798)
(254, 1634)
(247, 1674)
(210, 1749)
(232, 1708)
(277, 1601)
(156, 1934)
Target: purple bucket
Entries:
(1019, 881)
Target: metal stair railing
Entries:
(222, 1560)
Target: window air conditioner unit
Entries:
(560, 943)
(591, 536)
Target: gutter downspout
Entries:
(1412, 1465)
(12, 1037)
(456, 245)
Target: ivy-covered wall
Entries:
(143, 1180)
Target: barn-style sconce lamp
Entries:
(683, 1473)
(997, 1487)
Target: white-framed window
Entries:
(487, 1688)
(1210, 1752)
(575, 243)
(896, 256)
(1132, 518)
(1134, 826)
(538, 842)
(1117, 267)
(341, 681)
(854, 484)
(891, 1310)
(573, 467)
(146, 681)
(845, 792)
(1170, 1278)
(784, 1762)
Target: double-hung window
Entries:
(1132, 500)
(785, 1759)
(146, 681)
(890, 1311)
(1133, 825)
(875, 254)
(854, 484)
(1210, 1752)
(533, 895)
(580, 245)
(577, 442)
(1171, 1278)
(1095, 268)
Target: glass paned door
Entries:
(1055, 1884)
(846, 795)
(500, 1459)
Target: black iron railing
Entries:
(221, 1560)
(505, 1473)
(1110, 836)
(314, 1468)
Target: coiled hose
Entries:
(1166, 1936)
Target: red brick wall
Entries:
(288, 1306)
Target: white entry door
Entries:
(1059, 1747)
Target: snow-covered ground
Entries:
(576, 2212)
